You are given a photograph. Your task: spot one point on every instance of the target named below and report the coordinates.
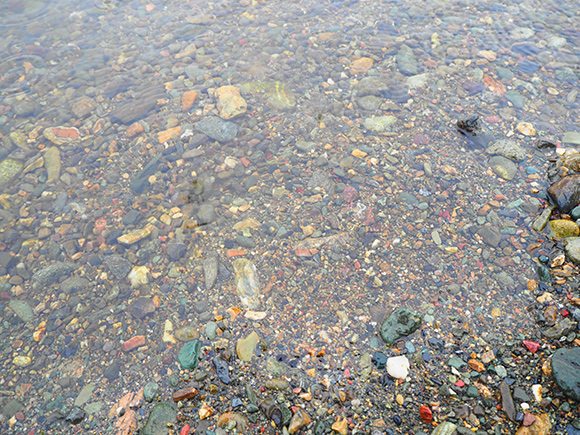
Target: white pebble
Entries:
(398, 367)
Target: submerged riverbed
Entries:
(289, 217)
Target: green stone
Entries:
(150, 391)
(189, 354)
(456, 362)
(246, 346)
(157, 423)
(399, 324)
(22, 310)
(472, 391)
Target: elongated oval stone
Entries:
(189, 354)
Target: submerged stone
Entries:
(399, 324)
(161, 415)
(247, 282)
(566, 371)
(565, 193)
(189, 354)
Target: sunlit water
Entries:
(344, 220)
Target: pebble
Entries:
(229, 102)
(298, 421)
(565, 193)
(133, 343)
(564, 228)
(399, 324)
(526, 129)
(245, 346)
(217, 129)
(398, 367)
(161, 416)
(540, 426)
(247, 282)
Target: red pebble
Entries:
(133, 343)
(184, 430)
(565, 312)
(425, 414)
(532, 346)
(460, 383)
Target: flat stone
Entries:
(298, 421)
(184, 394)
(507, 402)
(229, 102)
(22, 309)
(210, 271)
(150, 391)
(247, 283)
(507, 148)
(133, 343)
(119, 266)
(52, 163)
(217, 128)
(563, 327)
(139, 107)
(445, 428)
(490, 234)
(566, 371)
(9, 170)
(540, 426)
(380, 123)
(406, 60)
(140, 307)
(572, 137)
(245, 346)
(157, 423)
(51, 274)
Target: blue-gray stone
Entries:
(217, 128)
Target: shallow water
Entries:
(341, 177)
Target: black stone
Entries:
(75, 416)
(221, 368)
(565, 193)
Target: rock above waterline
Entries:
(564, 228)
(399, 324)
(565, 193)
(572, 246)
(566, 371)
(157, 423)
(217, 128)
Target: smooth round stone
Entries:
(503, 167)
(398, 367)
(564, 228)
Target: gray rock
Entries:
(572, 245)
(245, 242)
(507, 402)
(490, 235)
(217, 128)
(206, 214)
(210, 271)
(161, 414)
(74, 284)
(369, 102)
(376, 86)
(503, 167)
(406, 61)
(51, 274)
(563, 327)
(565, 193)
(507, 148)
(176, 251)
(305, 147)
(141, 180)
(566, 371)
(380, 123)
(112, 371)
(119, 266)
(22, 310)
(515, 98)
(572, 137)
(139, 107)
(520, 395)
(140, 307)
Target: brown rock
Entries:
(187, 100)
(134, 129)
(184, 394)
(299, 420)
(133, 343)
(476, 365)
(541, 426)
(565, 193)
(229, 102)
(361, 66)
